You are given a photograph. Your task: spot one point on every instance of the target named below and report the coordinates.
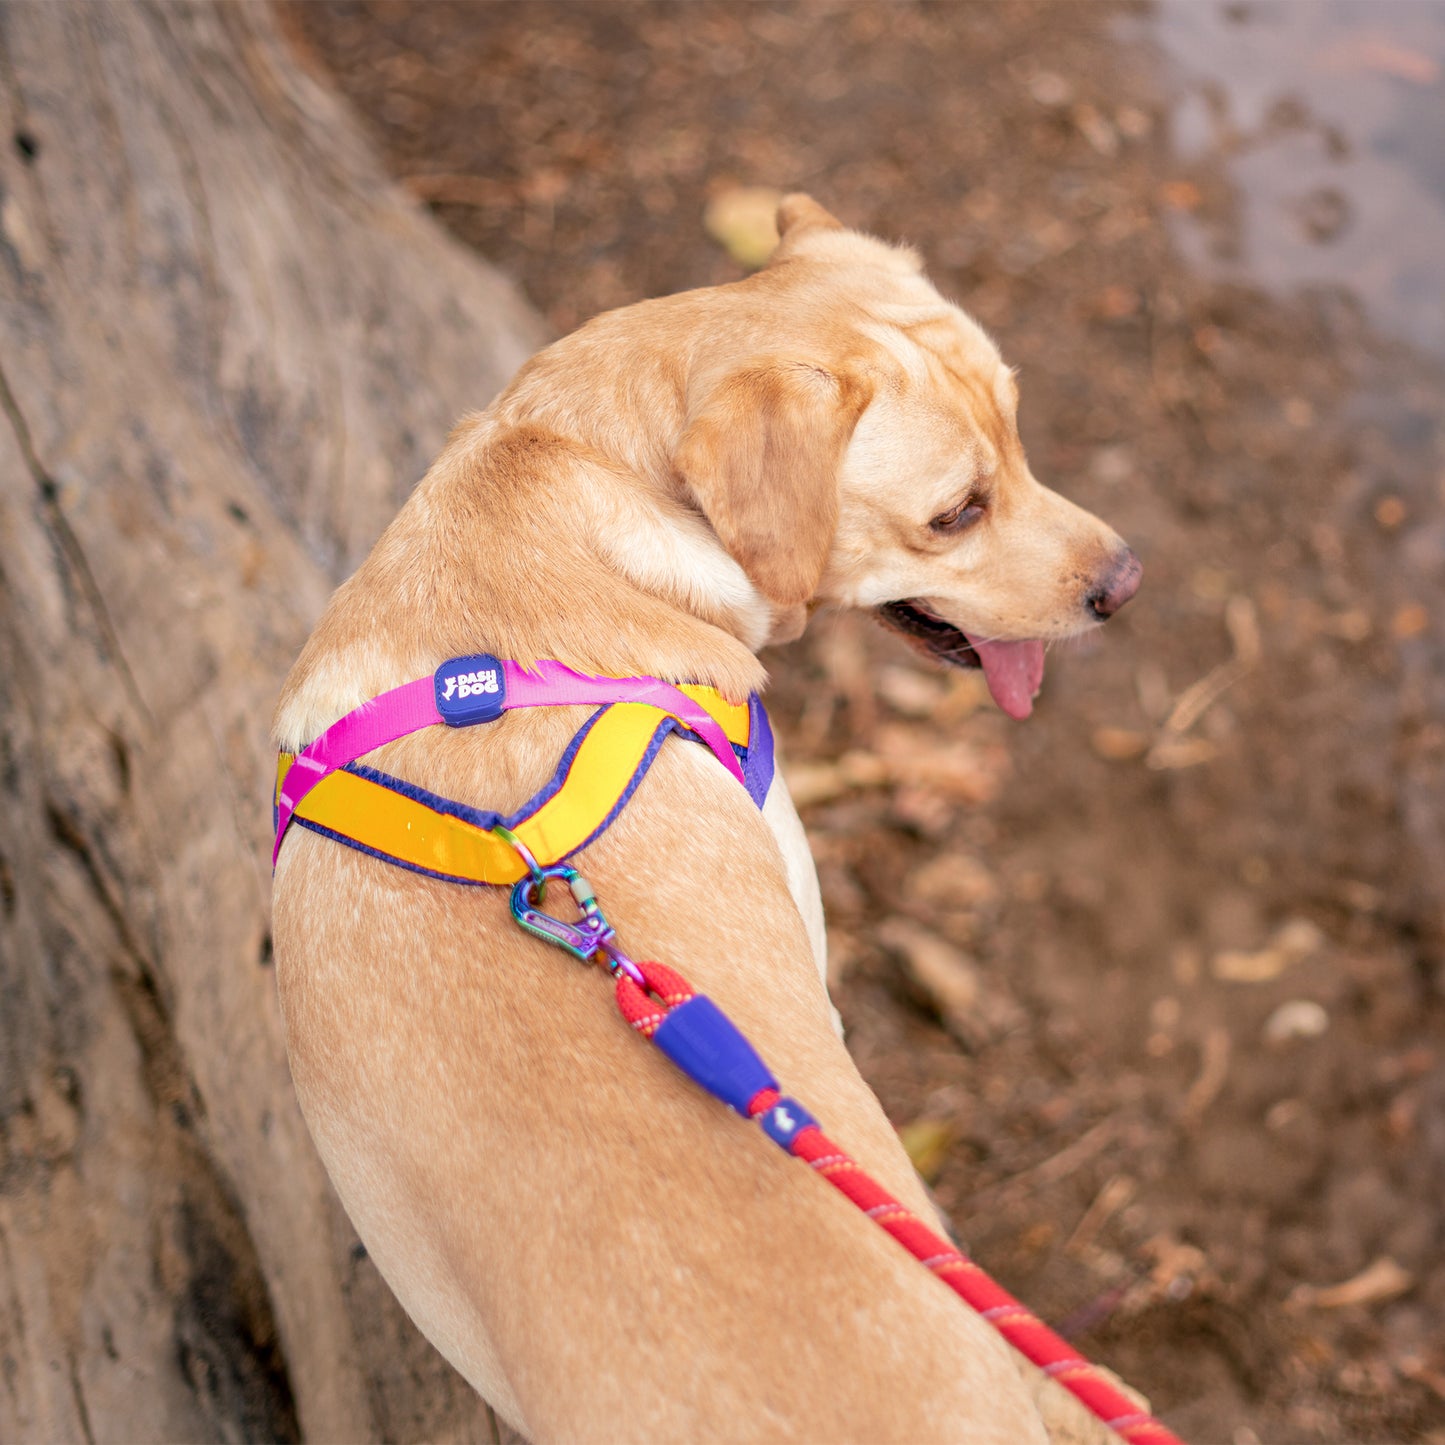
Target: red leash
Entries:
(668, 993)
(701, 1040)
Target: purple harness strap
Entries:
(414, 705)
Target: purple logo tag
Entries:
(470, 689)
(785, 1121)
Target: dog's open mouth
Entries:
(1013, 670)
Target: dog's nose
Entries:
(1120, 585)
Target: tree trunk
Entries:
(227, 348)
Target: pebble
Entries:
(1300, 1018)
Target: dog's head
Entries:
(866, 453)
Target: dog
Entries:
(601, 1249)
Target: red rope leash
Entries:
(707, 1046)
(726, 1071)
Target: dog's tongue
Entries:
(1014, 671)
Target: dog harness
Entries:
(324, 787)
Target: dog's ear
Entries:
(806, 230)
(761, 458)
(799, 212)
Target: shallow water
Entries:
(1330, 118)
(1326, 121)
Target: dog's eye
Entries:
(955, 519)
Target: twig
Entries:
(1213, 1071)
(453, 188)
(1051, 1170)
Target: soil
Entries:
(1154, 982)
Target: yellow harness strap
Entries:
(403, 824)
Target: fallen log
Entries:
(227, 348)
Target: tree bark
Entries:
(227, 348)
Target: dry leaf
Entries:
(1383, 1280)
(967, 692)
(1119, 745)
(973, 1012)
(1213, 1073)
(1050, 90)
(1181, 195)
(1242, 622)
(956, 769)
(1390, 512)
(927, 1142)
(811, 783)
(1133, 122)
(453, 189)
(909, 692)
(1169, 754)
(953, 880)
(744, 221)
(1299, 938)
(1235, 966)
(1096, 129)
(1383, 56)
(1173, 1259)
(1410, 621)
(1293, 942)
(1118, 1191)
(1199, 697)
(944, 973)
(1362, 897)
(1353, 625)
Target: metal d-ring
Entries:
(524, 853)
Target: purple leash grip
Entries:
(785, 1121)
(709, 1048)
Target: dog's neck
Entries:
(528, 545)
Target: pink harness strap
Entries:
(412, 706)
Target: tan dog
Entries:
(603, 1250)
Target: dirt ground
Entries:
(1154, 982)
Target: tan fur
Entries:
(768, 443)
(604, 1251)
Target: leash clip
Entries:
(589, 934)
